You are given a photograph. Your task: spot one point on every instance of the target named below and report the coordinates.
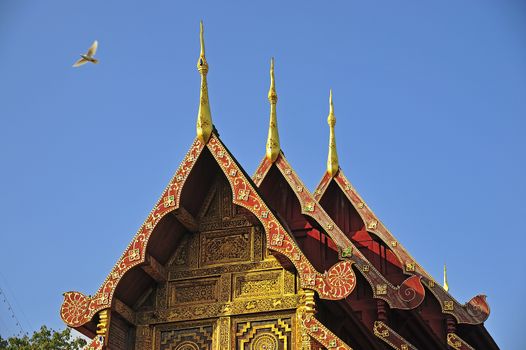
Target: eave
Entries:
(475, 311)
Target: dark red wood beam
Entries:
(154, 269)
(186, 219)
(124, 311)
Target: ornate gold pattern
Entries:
(458, 343)
(198, 338)
(102, 325)
(264, 334)
(389, 336)
(448, 305)
(381, 289)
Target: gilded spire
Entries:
(332, 159)
(273, 147)
(204, 117)
(446, 286)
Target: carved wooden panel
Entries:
(258, 283)
(185, 338)
(264, 333)
(218, 211)
(192, 291)
(224, 247)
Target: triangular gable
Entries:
(406, 296)
(78, 309)
(476, 311)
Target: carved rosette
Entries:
(395, 340)
(476, 311)
(278, 239)
(319, 332)
(77, 309)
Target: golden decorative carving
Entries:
(260, 283)
(277, 239)
(204, 290)
(242, 194)
(102, 325)
(169, 201)
(224, 334)
(183, 338)
(263, 334)
(347, 252)
(389, 336)
(381, 289)
(134, 255)
(309, 207)
(457, 343)
(220, 247)
(431, 284)
(372, 224)
(449, 305)
(410, 266)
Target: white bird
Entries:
(88, 57)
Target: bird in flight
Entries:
(88, 56)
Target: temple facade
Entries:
(226, 261)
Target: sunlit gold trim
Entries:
(332, 159)
(273, 146)
(204, 117)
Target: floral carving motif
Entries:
(74, 308)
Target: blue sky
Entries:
(430, 101)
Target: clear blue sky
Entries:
(430, 100)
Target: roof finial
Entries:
(273, 147)
(446, 286)
(332, 159)
(204, 117)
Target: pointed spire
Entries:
(332, 159)
(446, 286)
(204, 117)
(273, 147)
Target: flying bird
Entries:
(88, 57)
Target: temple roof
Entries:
(333, 278)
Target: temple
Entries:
(226, 261)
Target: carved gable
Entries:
(223, 290)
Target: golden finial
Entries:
(273, 147)
(446, 286)
(332, 159)
(204, 117)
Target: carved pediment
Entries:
(218, 212)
